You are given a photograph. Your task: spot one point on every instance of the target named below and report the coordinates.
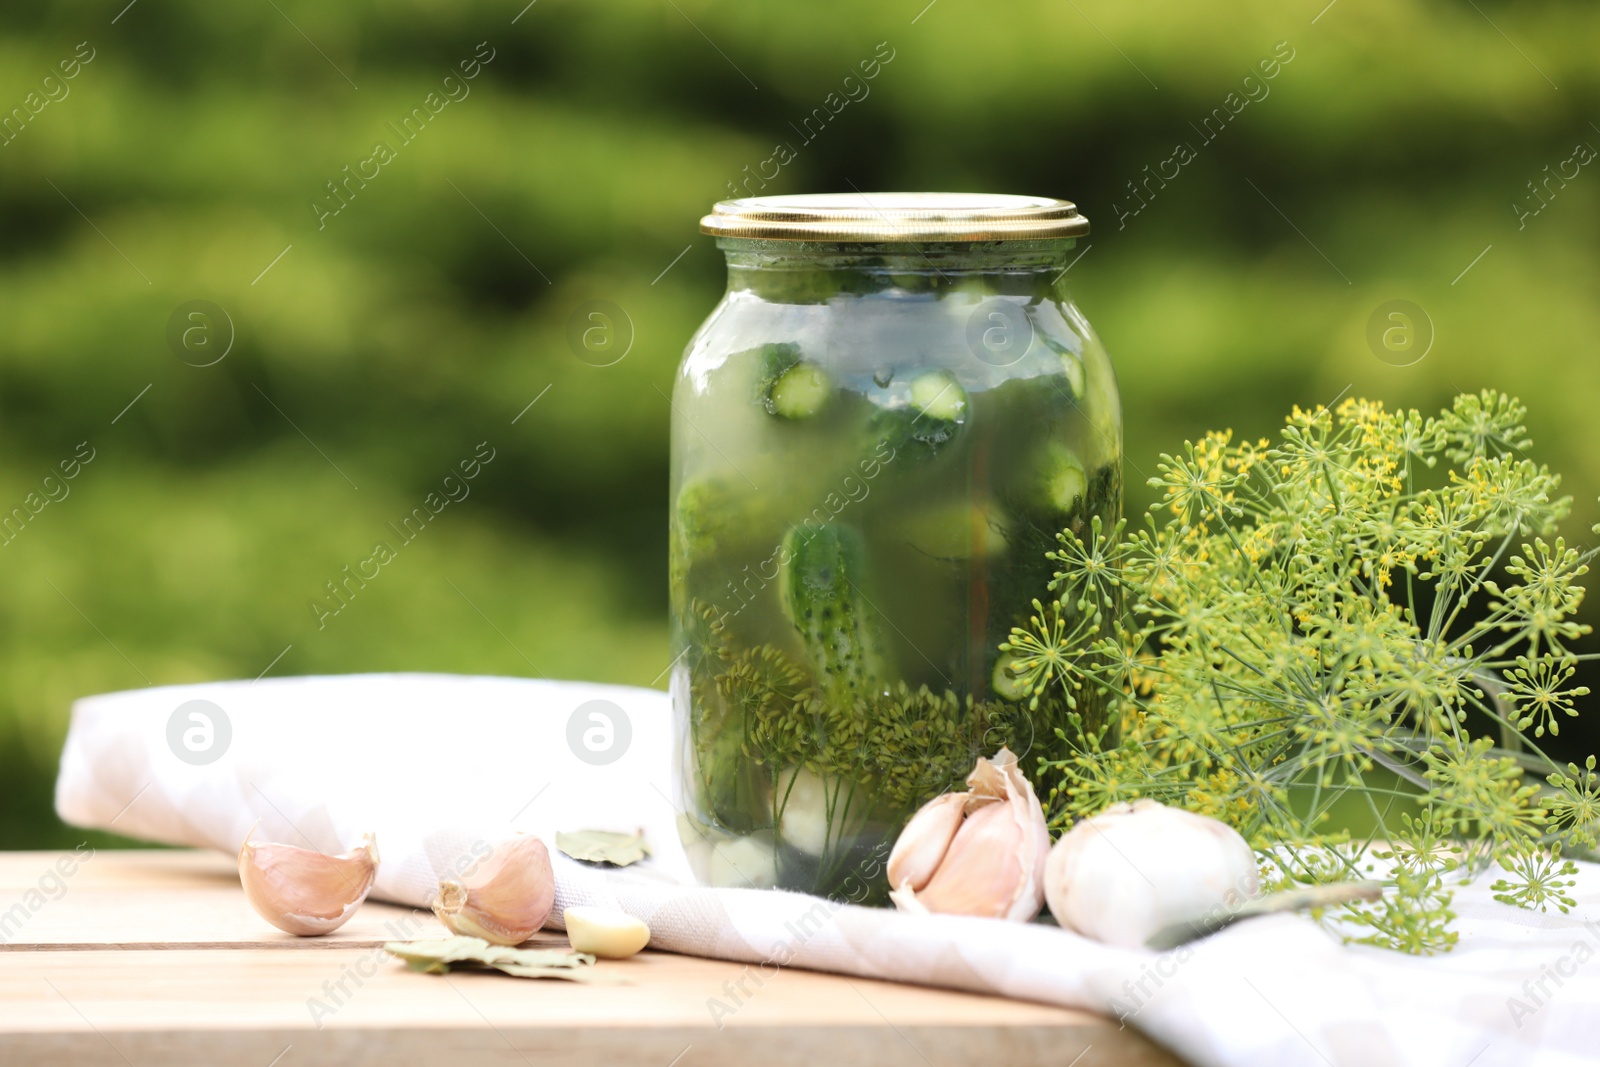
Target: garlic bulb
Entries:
(1136, 868)
(304, 892)
(981, 852)
(506, 899)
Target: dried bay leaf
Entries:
(583, 974)
(440, 955)
(436, 956)
(604, 846)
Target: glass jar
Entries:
(877, 435)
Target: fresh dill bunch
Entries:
(1366, 619)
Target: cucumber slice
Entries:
(1065, 482)
(788, 386)
(820, 588)
(937, 395)
(800, 392)
(936, 413)
(1005, 683)
(1053, 484)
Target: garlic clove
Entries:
(506, 899)
(1135, 869)
(803, 799)
(922, 845)
(605, 932)
(304, 892)
(744, 862)
(980, 873)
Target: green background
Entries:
(381, 348)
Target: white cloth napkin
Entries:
(433, 764)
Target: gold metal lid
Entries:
(894, 217)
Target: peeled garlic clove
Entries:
(922, 845)
(604, 932)
(992, 865)
(804, 802)
(507, 899)
(1134, 869)
(746, 862)
(304, 892)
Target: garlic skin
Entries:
(1136, 868)
(304, 892)
(506, 899)
(981, 852)
(605, 932)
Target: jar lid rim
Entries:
(895, 217)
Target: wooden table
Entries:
(146, 957)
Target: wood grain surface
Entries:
(147, 957)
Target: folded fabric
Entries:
(433, 764)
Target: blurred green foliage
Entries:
(381, 348)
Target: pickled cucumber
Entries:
(800, 392)
(1004, 681)
(717, 513)
(938, 395)
(1062, 480)
(789, 386)
(821, 590)
(936, 413)
(733, 789)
